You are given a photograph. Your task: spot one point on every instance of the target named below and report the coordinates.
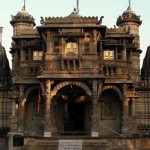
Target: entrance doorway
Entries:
(73, 97)
(74, 117)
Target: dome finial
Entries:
(24, 6)
(129, 7)
(77, 5)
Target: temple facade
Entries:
(76, 84)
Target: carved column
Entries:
(95, 36)
(80, 46)
(13, 118)
(116, 53)
(74, 65)
(13, 107)
(22, 54)
(21, 110)
(48, 117)
(62, 65)
(101, 51)
(125, 111)
(94, 118)
(124, 50)
(48, 40)
(68, 64)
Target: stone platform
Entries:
(84, 143)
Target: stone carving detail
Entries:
(21, 92)
(51, 20)
(108, 109)
(46, 87)
(97, 86)
(96, 35)
(70, 30)
(80, 84)
(101, 19)
(42, 20)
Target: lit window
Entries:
(108, 54)
(37, 55)
(71, 48)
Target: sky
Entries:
(110, 9)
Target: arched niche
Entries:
(34, 111)
(110, 111)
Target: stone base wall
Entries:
(115, 143)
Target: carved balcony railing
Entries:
(71, 64)
(109, 71)
(115, 68)
(30, 71)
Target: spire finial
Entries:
(77, 5)
(24, 6)
(129, 7)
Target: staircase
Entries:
(70, 144)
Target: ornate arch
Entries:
(66, 83)
(112, 87)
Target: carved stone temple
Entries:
(75, 84)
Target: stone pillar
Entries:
(47, 123)
(116, 53)
(124, 51)
(14, 107)
(94, 117)
(10, 142)
(97, 85)
(95, 38)
(22, 55)
(74, 65)
(125, 117)
(21, 116)
(21, 110)
(80, 47)
(101, 51)
(48, 41)
(48, 117)
(125, 111)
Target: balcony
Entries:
(71, 64)
(115, 68)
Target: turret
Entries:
(22, 22)
(131, 22)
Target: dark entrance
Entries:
(74, 117)
(74, 99)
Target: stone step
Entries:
(70, 144)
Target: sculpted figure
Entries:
(42, 20)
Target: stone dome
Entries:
(128, 11)
(128, 16)
(23, 13)
(75, 14)
(22, 16)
